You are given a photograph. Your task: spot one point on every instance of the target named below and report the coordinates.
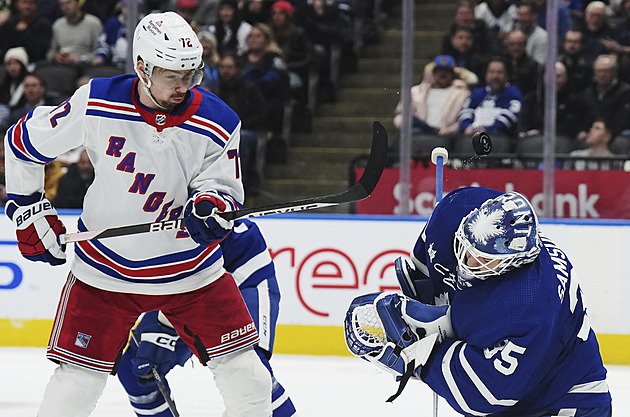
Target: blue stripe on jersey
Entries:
(113, 115)
(203, 132)
(128, 263)
(115, 274)
(34, 155)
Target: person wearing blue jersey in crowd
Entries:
(246, 257)
(502, 310)
(493, 108)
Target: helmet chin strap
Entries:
(146, 87)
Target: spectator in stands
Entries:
(461, 48)
(247, 101)
(436, 103)
(493, 108)
(607, 96)
(598, 140)
(620, 45)
(187, 9)
(75, 35)
(623, 30)
(207, 10)
(579, 71)
(230, 29)
(485, 40)
(12, 86)
(571, 117)
(256, 11)
(211, 60)
(102, 9)
(498, 15)
(526, 73)
(112, 43)
(595, 30)
(5, 11)
(324, 28)
(298, 55)
(28, 29)
(34, 95)
(536, 36)
(263, 65)
(73, 185)
(564, 16)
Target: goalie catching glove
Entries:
(201, 220)
(37, 229)
(395, 332)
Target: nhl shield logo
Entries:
(82, 340)
(160, 119)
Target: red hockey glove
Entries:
(38, 228)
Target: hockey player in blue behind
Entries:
(247, 259)
(492, 318)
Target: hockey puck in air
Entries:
(482, 144)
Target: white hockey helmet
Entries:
(502, 234)
(166, 40)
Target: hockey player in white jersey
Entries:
(492, 316)
(161, 148)
(247, 259)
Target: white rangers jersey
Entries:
(146, 163)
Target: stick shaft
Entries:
(359, 191)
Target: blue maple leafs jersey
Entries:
(524, 343)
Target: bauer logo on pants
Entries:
(82, 340)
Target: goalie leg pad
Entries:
(244, 384)
(72, 392)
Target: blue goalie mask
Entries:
(502, 234)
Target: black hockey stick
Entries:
(158, 380)
(359, 191)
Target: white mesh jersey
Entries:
(147, 163)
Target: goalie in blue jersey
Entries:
(492, 318)
(247, 259)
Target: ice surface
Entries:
(319, 386)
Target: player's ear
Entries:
(141, 71)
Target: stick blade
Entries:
(371, 174)
(377, 161)
(359, 191)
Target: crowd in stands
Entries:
(501, 45)
(273, 61)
